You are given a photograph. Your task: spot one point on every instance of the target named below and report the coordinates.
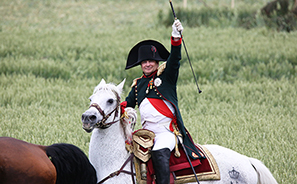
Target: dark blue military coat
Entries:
(162, 85)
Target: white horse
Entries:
(108, 154)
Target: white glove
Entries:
(177, 29)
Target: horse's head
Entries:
(104, 106)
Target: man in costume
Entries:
(155, 95)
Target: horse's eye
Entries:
(110, 101)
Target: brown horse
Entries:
(22, 163)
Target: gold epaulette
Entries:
(161, 68)
(134, 82)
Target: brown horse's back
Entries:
(21, 162)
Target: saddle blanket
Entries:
(181, 172)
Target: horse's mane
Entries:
(72, 165)
(128, 123)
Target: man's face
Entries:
(149, 66)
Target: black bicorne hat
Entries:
(146, 50)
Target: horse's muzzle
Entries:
(87, 128)
(88, 121)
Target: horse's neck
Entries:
(107, 150)
(109, 141)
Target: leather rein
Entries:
(102, 124)
(116, 173)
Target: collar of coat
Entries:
(159, 71)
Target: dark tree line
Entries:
(283, 12)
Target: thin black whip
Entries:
(185, 48)
(197, 88)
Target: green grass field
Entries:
(53, 54)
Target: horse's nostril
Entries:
(92, 118)
(88, 118)
(83, 117)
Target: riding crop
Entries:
(185, 48)
(197, 88)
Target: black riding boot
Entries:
(160, 160)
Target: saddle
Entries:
(180, 169)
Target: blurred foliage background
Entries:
(54, 52)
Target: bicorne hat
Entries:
(146, 50)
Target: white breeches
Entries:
(164, 137)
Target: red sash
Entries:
(162, 108)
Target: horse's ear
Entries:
(102, 82)
(121, 85)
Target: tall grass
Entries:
(245, 15)
(53, 53)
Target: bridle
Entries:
(102, 124)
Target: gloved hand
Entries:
(177, 29)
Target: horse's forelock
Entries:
(107, 87)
